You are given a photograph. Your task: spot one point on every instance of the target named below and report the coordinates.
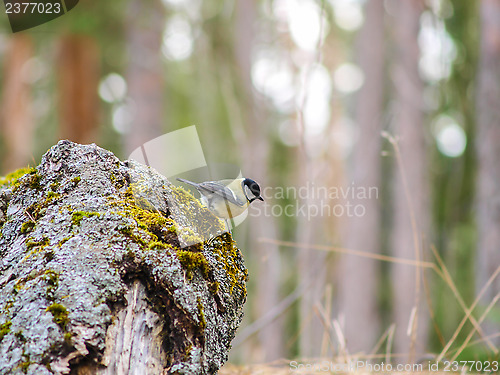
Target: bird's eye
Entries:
(255, 189)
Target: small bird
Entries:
(227, 198)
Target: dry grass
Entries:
(283, 367)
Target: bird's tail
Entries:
(187, 182)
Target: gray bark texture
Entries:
(93, 276)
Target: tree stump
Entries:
(103, 270)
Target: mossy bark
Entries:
(103, 270)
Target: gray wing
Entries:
(213, 187)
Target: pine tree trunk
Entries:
(412, 199)
(488, 155)
(16, 119)
(78, 80)
(357, 282)
(254, 143)
(145, 75)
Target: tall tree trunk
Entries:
(255, 144)
(488, 153)
(312, 271)
(357, 282)
(78, 80)
(411, 210)
(144, 72)
(16, 120)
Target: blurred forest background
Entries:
(398, 96)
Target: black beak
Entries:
(260, 198)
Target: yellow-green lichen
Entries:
(51, 195)
(150, 234)
(59, 314)
(76, 179)
(188, 236)
(77, 216)
(52, 280)
(19, 335)
(54, 186)
(12, 178)
(26, 363)
(36, 210)
(129, 232)
(33, 244)
(34, 180)
(4, 329)
(63, 241)
(8, 305)
(67, 337)
(214, 287)
(119, 182)
(158, 245)
(191, 260)
(151, 224)
(205, 223)
(228, 254)
(18, 285)
(201, 315)
(27, 227)
(187, 352)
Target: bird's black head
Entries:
(251, 189)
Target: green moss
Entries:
(201, 315)
(25, 364)
(34, 180)
(198, 215)
(227, 253)
(37, 210)
(214, 287)
(63, 241)
(30, 245)
(187, 236)
(18, 285)
(52, 195)
(35, 247)
(153, 228)
(19, 335)
(191, 260)
(76, 179)
(4, 329)
(54, 186)
(27, 227)
(154, 231)
(157, 245)
(8, 305)
(12, 178)
(78, 216)
(129, 232)
(52, 280)
(67, 337)
(60, 315)
(187, 353)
